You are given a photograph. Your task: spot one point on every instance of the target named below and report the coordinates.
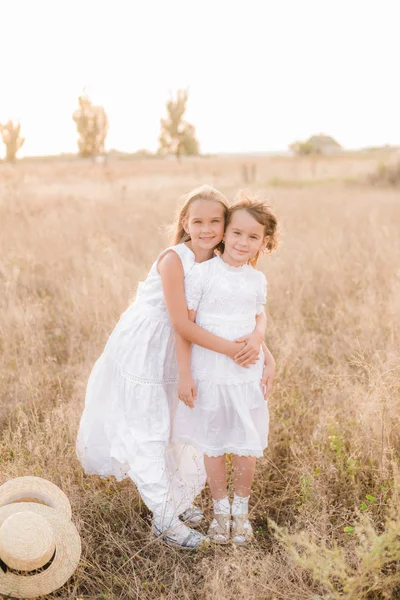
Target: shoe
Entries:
(193, 516)
(180, 536)
(219, 530)
(242, 531)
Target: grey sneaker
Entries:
(193, 516)
(178, 535)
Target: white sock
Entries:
(222, 507)
(240, 505)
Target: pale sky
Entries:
(260, 73)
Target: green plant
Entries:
(366, 564)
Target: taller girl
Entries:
(132, 390)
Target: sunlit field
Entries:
(75, 239)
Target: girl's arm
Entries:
(254, 340)
(186, 385)
(268, 358)
(268, 372)
(172, 277)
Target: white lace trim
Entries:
(213, 380)
(140, 380)
(215, 452)
(231, 268)
(210, 378)
(191, 305)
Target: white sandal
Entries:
(219, 530)
(177, 537)
(242, 531)
(193, 516)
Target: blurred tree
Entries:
(12, 140)
(301, 148)
(316, 144)
(178, 136)
(92, 126)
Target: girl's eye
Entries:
(236, 232)
(254, 237)
(215, 220)
(196, 221)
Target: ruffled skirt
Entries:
(230, 414)
(131, 399)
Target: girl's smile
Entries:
(205, 225)
(244, 238)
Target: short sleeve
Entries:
(193, 287)
(261, 294)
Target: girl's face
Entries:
(205, 224)
(244, 238)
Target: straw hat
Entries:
(38, 489)
(40, 547)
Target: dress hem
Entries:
(215, 452)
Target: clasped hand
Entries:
(250, 352)
(247, 355)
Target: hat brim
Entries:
(63, 565)
(36, 488)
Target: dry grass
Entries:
(388, 171)
(75, 239)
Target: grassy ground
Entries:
(76, 237)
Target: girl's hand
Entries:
(243, 362)
(267, 379)
(187, 391)
(250, 353)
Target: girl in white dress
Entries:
(224, 409)
(132, 390)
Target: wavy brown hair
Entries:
(204, 192)
(262, 213)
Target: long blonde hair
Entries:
(262, 213)
(204, 192)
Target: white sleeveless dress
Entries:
(131, 400)
(230, 414)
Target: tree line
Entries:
(177, 136)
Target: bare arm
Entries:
(268, 371)
(261, 324)
(268, 358)
(172, 277)
(254, 339)
(186, 386)
(183, 353)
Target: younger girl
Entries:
(229, 414)
(132, 390)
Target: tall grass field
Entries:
(75, 239)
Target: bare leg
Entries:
(243, 475)
(219, 529)
(216, 474)
(244, 467)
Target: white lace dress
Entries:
(230, 413)
(130, 402)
